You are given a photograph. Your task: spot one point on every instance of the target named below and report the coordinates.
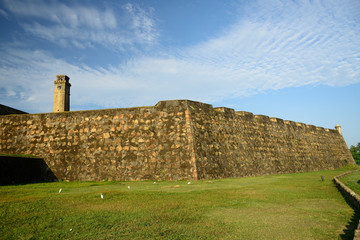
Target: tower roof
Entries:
(62, 79)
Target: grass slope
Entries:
(290, 206)
(352, 181)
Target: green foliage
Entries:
(288, 206)
(355, 151)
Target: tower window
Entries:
(59, 87)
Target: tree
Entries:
(355, 151)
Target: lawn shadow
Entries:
(21, 170)
(353, 222)
(351, 227)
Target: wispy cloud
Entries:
(278, 45)
(83, 26)
(300, 43)
(142, 22)
(4, 14)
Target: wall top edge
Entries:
(224, 109)
(179, 102)
(79, 111)
(282, 121)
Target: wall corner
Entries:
(191, 139)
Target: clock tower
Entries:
(61, 94)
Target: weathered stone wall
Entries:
(234, 144)
(117, 144)
(177, 139)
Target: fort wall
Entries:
(235, 144)
(177, 139)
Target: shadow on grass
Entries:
(353, 222)
(351, 227)
(16, 170)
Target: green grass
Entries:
(352, 181)
(290, 206)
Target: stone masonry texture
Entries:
(173, 140)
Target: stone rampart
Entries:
(177, 139)
(235, 144)
(115, 144)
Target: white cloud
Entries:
(83, 26)
(57, 12)
(4, 14)
(142, 22)
(303, 43)
(300, 44)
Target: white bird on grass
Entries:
(102, 196)
(128, 187)
(60, 190)
(189, 182)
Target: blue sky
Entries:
(296, 60)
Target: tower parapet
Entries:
(338, 128)
(61, 94)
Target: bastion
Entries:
(177, 139)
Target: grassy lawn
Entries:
(290, 206)
(352, 181)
